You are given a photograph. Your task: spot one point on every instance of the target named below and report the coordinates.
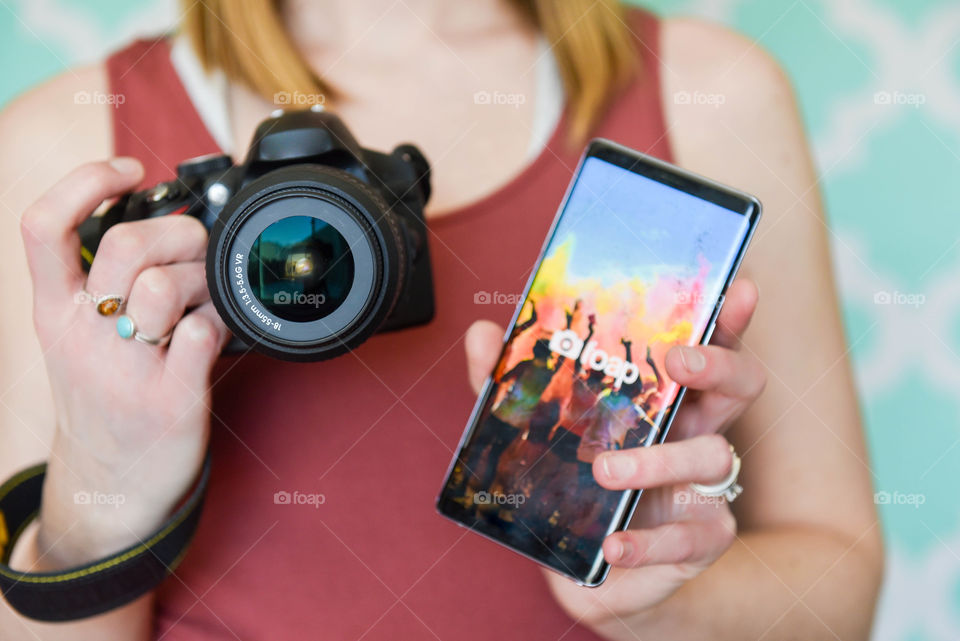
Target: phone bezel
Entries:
(664, 173)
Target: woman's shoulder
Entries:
(725, 97)
(706, 56)
(54, 127)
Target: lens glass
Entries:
(301, 268)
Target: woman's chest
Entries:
(475, 133)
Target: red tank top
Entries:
(372, 431)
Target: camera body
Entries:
(315, 242)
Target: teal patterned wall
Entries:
(879, 83)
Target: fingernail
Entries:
(616, 551)
(620, 550)
(125, 165)
(692, 359)
(618, 468)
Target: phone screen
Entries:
(632, 267)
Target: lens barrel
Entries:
(305, 262)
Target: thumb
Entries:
(483, 343)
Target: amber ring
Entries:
(109, 305)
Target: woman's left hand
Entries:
(676, 533)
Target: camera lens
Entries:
(301, 268)
(305, 263)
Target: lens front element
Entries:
(301, 268)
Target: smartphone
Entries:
(637, 260)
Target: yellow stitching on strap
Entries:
(4, 534)
(187, 510)
(21, 477)
(109, 563)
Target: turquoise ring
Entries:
(126, 328)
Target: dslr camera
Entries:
(315, 242)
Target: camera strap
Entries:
(98, 586)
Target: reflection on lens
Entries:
(301, 268)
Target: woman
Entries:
(373, 430)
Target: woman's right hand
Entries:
(132, 419)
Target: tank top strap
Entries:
(154, 119)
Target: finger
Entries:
(703, 459)
(49, 225)
(129, 248)
(697, 542)
(739, 304)
(161, 294)
(196, 344)
(483, 343)
(709, 368)
(707, 414)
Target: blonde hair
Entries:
(590, 40)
